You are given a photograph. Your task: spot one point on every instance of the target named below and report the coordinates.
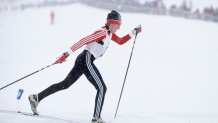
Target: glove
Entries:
(62, 58)
(137, 30)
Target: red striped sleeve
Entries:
(96, 36)
(119, 40)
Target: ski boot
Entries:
(99, 120)
(34, 103)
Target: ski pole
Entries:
(126, 74)
(27, 76)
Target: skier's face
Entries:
(114, 27)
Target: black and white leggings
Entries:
(83, 65)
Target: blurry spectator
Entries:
(52, 17)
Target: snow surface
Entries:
(172, 76)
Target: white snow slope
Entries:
(172, 76)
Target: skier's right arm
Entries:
(96, 36)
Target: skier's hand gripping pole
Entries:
(137, 30)
(62, 58)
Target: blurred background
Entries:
(206, 10)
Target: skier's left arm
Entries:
(127, 37)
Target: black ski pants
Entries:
(83, 65)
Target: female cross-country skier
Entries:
(96, 45)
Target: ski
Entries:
(37, 115)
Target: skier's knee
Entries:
(103, 89)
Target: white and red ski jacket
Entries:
(98, 42)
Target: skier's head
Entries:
(113, 21)
(113, 18)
